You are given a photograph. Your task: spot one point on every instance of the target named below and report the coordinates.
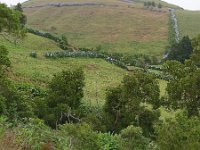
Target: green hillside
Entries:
(90, 26)
(39, 71)
(189, 23)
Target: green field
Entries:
(99, 74)
(137, 30)
(189, 23)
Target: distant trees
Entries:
(182, 50)
(152, 4)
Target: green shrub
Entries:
(33, 54)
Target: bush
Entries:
(33, 54)
(132, 139)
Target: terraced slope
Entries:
(115, 25)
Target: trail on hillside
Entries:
(172, 13)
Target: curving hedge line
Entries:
(61, 41)
(85, 54)
(116, 58)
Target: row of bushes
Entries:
(87, 54)
(62, 41)
(138, 60)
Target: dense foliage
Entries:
(181, 51)
(125, 105)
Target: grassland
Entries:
(189, 23)
(99, 74)
(127, 28)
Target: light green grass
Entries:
(99, 74)
(189, 23)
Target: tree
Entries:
(65, 94)
(153, 4)
(23, 18)
(10, 20)
(10, 26)
(181, 133)
(159, 5)
(12, 104)
(183, 90)
(148, 4)
(181, 51)
(125, 103)
(145, 4)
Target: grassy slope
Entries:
(122, 29)
(99, 74)
(189, 22)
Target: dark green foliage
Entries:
(67, 88)
(153, 4)
(146, 120)
(9, 19)
(62, 42)
(88, 54)
(13, 105)
(80, 136)
(183, 133)
(4, 60)
(160, 5)
(33, 54)
(23, 18)
(65, 94)
(183, 90)
(132, 139)
(150, 4)
(107, 141)
(123, 103)
(181, 51)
